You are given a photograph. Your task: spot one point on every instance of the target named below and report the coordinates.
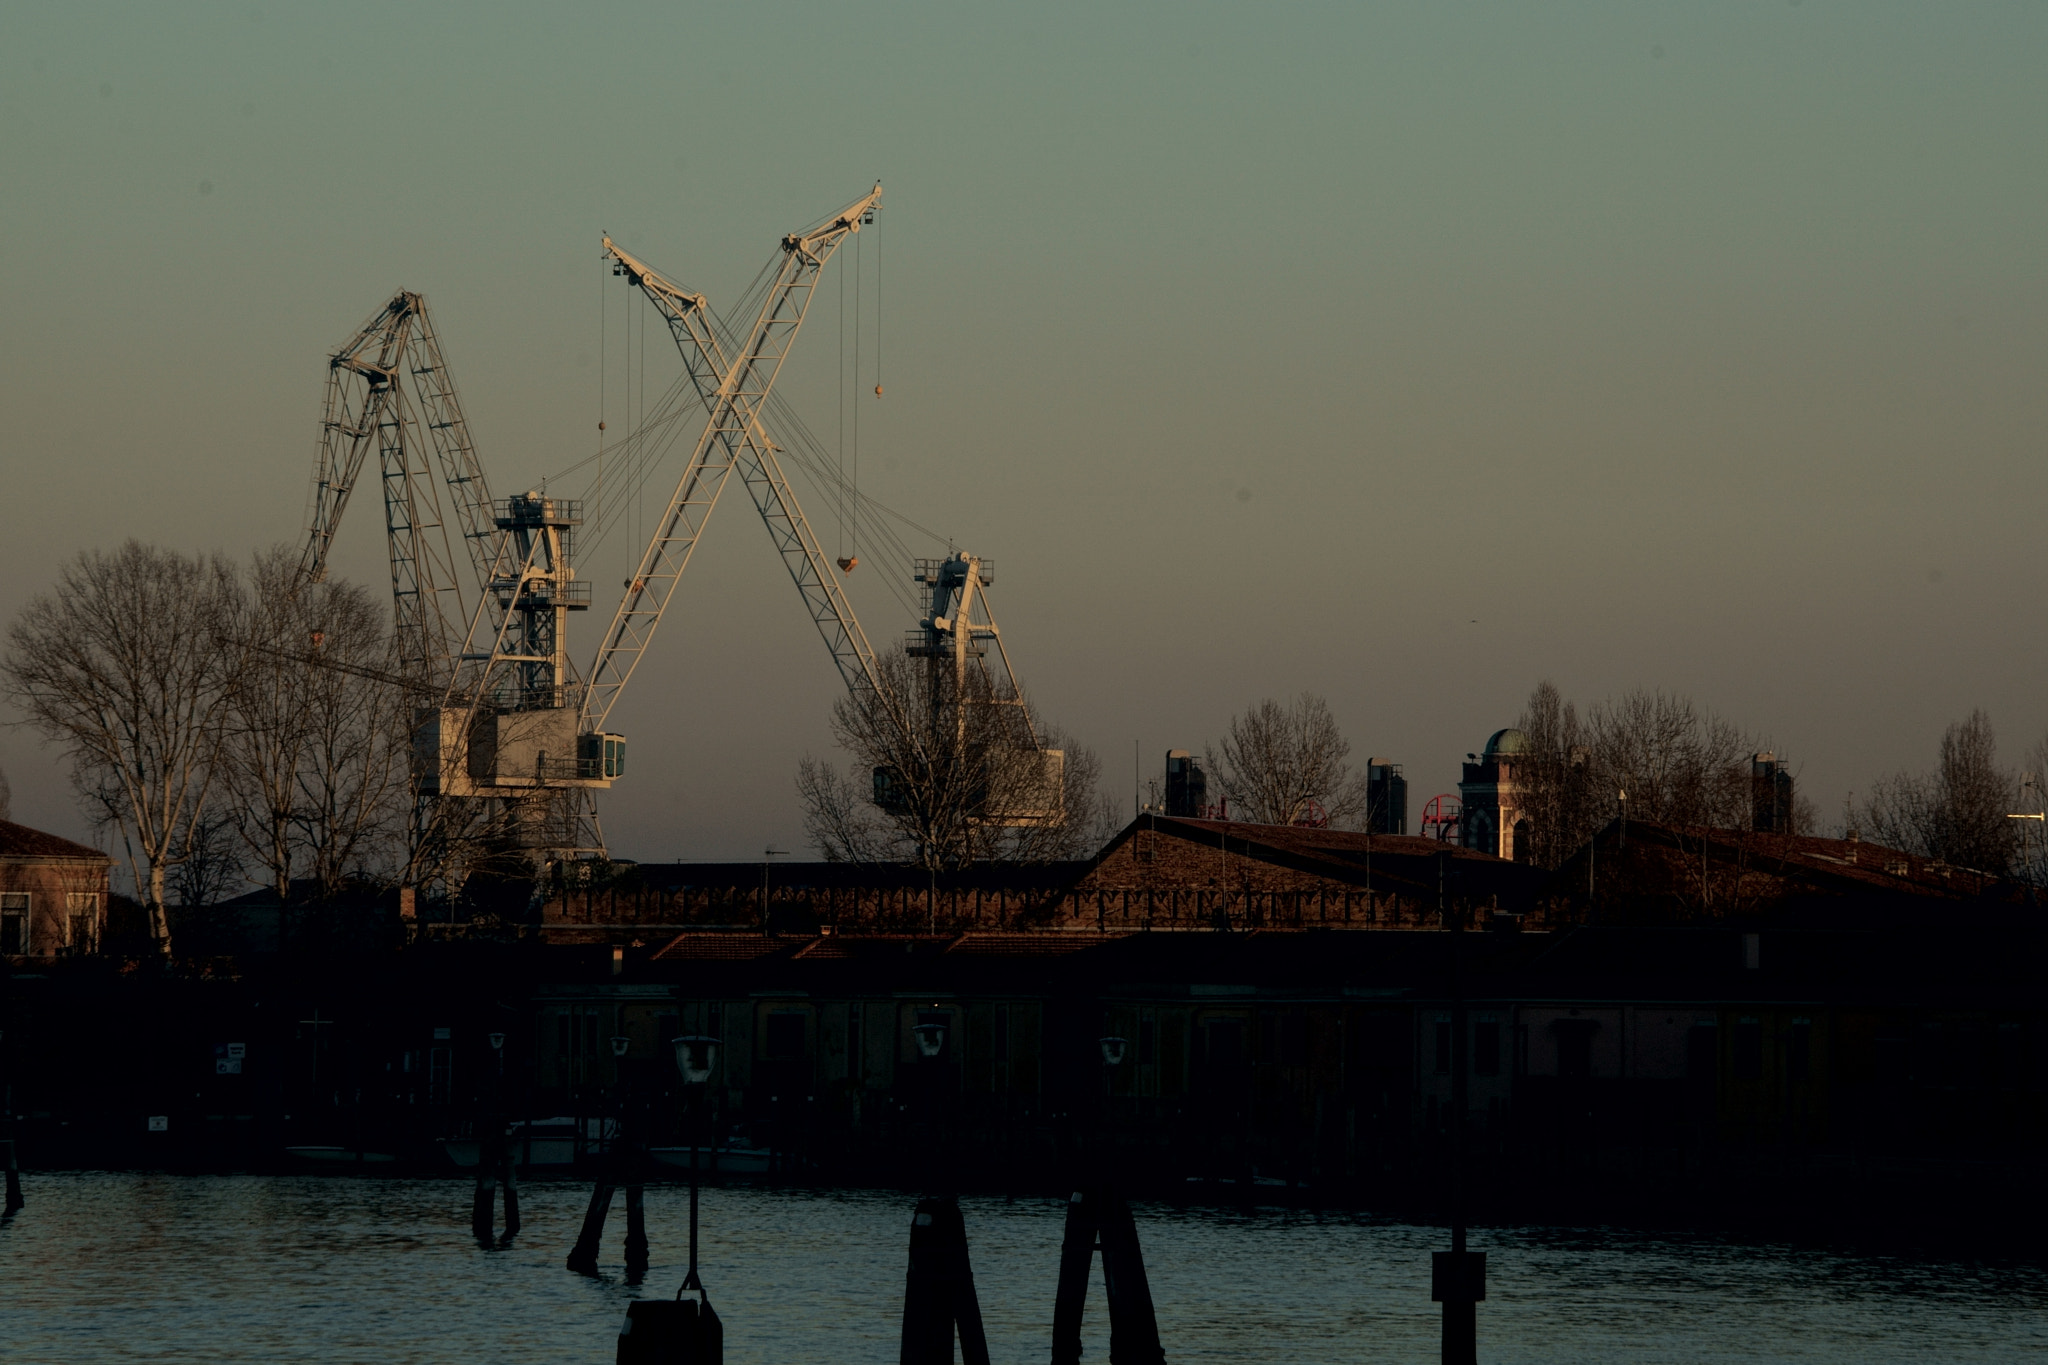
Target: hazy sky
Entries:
(1404, 353)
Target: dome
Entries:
(1507, 743)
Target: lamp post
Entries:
(659, 1331)
(1112, 1049)
(1098, 1216)
(494, 1158)
(1458, 1276)
(938, 1288)
(696, 1055)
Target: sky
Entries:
(1408, 354)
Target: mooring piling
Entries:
(14, 1202)
(583, 1256)
(938, 1290)
(1098, 1218)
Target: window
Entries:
(1486, 1048)
(1799, 1050)
(2012, 1055)
(786, 1036)
(854, 1069)
(83, 910)
(1749, 1049)
(1225, 1038)
(1002, 1033)
(1702, 1042)
(1294, 1038)
(1148, 1041)
(1574, 1047)
(14, 922)
(1443, 1048)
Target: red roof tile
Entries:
(19, 841)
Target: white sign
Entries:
(159, 1123)
(227, 1058)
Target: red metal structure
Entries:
(1440, 818)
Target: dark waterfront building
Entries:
(1703, 1020)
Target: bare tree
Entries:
(1086, 816)
(210, 870)
(314, 756)
(352, 773)
(840, 815)
(1277, 762)
(127, 665)
(1678, 764)
(268, 718)
(6, 797)
(1557, 788)
(1956, 814)
(957, 777)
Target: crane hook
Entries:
(878, 390)
(849, 564)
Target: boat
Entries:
(733, 1160)
(537, 1142)
(348, 1156)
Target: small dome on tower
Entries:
(1507, 743)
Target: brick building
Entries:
(53, 893)
(1161, 872)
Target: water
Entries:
(118, 1267)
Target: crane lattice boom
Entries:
(734, 390)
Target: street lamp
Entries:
(931, 1039)
(498, 1047)
(1112, 1049)
(696, 1056)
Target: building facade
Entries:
(53, 894)
(1493, 820)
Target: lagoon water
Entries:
(141, 1267)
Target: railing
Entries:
(541, 511)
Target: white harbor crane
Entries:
(519, 733)
(389, 387)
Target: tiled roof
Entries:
(1050, 944)
(19, 841)
(695, 946)
(1341, 844)
(1843, 863)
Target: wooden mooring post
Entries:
(494, 1166)
(13, 1178)
(1099, 1218)
(938, 1290)
(619, 1169)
